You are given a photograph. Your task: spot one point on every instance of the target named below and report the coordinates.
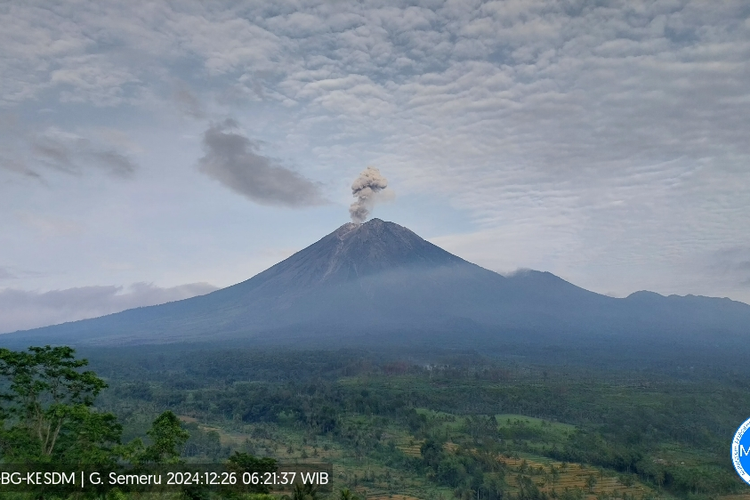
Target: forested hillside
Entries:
(454, 424)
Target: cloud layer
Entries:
(36, 153)
(22, 310)
(605, 142)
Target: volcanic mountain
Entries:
(379, 280)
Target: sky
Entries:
(152, 151)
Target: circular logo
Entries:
(741, 451)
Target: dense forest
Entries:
(427, 424)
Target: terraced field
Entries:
(375, 481)
(571, 476)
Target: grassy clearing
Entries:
(506, 419)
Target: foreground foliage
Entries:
(47, 410)
(444, 426)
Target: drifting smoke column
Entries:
(366, 189)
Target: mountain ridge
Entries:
(379, 277)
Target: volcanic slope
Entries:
(381, 279)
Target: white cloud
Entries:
(49, 225)
(22, 309)
(577, 137)
(6, 274)
(57, 150)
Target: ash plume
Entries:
(366, 189)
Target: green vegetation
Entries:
(48, 423)
(47, 412)
(429, 426)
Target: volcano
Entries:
(379, 280)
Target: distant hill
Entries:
(379, 282)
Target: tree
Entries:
(432, 452)
(244, 462)
(591, 483)
(46, 409)
(167, 436)
(302, 492)
(555, 472)
(346, 494)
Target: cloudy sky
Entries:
(150, 152)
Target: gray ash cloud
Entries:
(234, 161)
(366, 188)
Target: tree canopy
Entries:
(46, 409)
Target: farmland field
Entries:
(478, 429)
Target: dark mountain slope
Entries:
(380, 278)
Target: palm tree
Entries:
(346, 494)
(304, 492)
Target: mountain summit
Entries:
(381, 280)
(357, 250)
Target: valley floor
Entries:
(454, 426)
